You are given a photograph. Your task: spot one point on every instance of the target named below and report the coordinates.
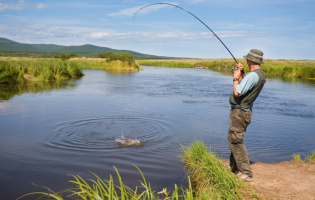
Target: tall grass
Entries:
(106, 64)
(99, 189)
(210, 178)
(284, 68)
(23, 70)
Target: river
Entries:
(50, 131)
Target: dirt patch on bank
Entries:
(284, 180)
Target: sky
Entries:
(282, 29)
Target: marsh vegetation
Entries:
(116, 62)
(14, 70)
(22, 70)
(284, 68)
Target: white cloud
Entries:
(21, 5)
(129, 12)
(195, 1)
(201, 44)
(71, 34)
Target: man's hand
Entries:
(240, 66)
(237, 73)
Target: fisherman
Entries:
(245, 91)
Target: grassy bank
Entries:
(210, 178)
(21, 70)
(285, 68)
(99, 63)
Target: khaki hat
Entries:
(256, 56)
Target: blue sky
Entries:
(282, 29)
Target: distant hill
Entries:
(12, 48)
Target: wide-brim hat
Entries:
(256, 56)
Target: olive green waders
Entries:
(239, 160)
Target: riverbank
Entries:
(101, 63)
(284, 180)
(211, 178)
(284, 68)
(22, 70)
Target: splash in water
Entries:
(127, 142)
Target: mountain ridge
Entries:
(10, 47)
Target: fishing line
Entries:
(190, 14)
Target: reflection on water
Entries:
(8, 92)
(69, 130)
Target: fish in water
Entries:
(127, 142)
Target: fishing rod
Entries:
(194, 17)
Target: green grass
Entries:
(284, 68)
(22, 70)
(98, 189)
(26, 70)
(210, 178)
(297, 157)
(98, 63)
(308, 158)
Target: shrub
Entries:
(122, 57)
(65, 56)
(105, 54)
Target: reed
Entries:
(284, 68)
(99, 189)
(24, 70)
(210, 178)
(105, 64)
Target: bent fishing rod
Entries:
(194, 17)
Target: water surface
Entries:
(71, 127)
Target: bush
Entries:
(124, 57)
(105, 54)
(65, 56)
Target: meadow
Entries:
(283, 68)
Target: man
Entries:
(245, 91)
